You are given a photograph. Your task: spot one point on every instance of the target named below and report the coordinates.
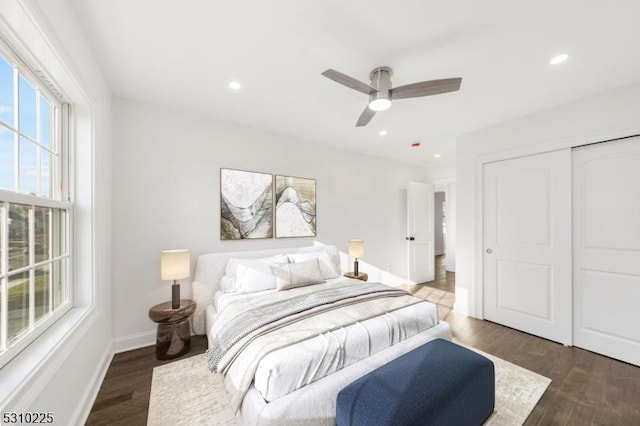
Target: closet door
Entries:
(606, 271)
(527, 244)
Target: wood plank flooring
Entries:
(586, 388)
(123, 398)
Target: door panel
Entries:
(513, 201)
(420, 217)
(525, 288)
(606, 249)
(527, 243)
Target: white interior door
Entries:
(527, 244)
(420, 238)
(606, 271)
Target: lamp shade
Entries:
(174, 264)
(356, 248)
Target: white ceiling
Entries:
(182, 54)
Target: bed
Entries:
(288, 331)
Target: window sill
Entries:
(29, 371)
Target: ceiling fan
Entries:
(381, 93)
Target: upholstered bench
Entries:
(438, 383)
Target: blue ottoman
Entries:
(439, 383)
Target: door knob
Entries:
(489, 251)
(409, 238)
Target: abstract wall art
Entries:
(246, 205)
(295, 210)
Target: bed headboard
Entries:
(211, 267)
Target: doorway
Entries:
(439, 221)
(433, 221)
(443, 279)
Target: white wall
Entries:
(439, 199)
(166, 195)
(441, 172)
(609, 115)
(62, 370)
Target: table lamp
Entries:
(356, 249)
(174, 265)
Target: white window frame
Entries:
(61, 199)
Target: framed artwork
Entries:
(295, 210)
(246, 205)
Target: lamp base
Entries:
(175, 295)
(355, 267)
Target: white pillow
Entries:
(251, 275)
(327, 267)
(254, 276)
(227, 284)
(291, 275)
(232, 263)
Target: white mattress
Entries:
(315, 405)
(288, 369)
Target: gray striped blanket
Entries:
(263, 316)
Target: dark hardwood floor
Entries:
(123, 398)
(586, 388)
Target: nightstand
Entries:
(173, 338)
(361, 276)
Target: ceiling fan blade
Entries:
(365, 117)
(426, 88)
(350, 82)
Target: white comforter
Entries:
(288, 369)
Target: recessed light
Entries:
(382, 132)
(437, 156)
(234, 85)
(559, 59)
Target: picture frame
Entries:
(246, 204)
(295, 207)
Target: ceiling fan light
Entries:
(559, 59)
(379, 104)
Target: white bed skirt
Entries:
(315, 404)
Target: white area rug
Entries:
(518, 390)
(185, 392)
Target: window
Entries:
(34, 218)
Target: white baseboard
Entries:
(461, 309)
(123, 344)
(83, 409)
(134, 341)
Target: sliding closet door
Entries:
(606, 202)
(527, 244)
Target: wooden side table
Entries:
(173, 338)
(361, 276)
